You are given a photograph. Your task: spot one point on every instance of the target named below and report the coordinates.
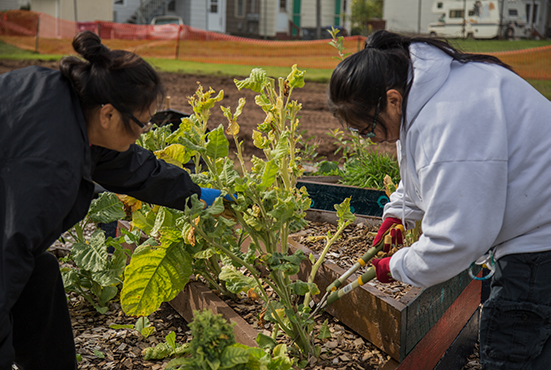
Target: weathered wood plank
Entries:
(427, 308)
(196, 297)
(428, 352)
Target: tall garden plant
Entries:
(242, 241)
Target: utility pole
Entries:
(419, 18)
(464, 18)
(318, 19)
(500, 28)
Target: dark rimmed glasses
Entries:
(363, 133)
(144, 126)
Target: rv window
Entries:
(456, 13)
(471, 13)
(439, 5)
(513, 13)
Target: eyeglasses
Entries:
(371, 133)
(144, 126)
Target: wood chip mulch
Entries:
(101, 347)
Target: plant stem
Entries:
(321, 258)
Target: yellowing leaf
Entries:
(174, 154)
(389, 185)
(233, 129)
(251, 293)
(296, 77)
(129, 202)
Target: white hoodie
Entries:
(475, 163)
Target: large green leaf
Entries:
(92, 256)
(255, 82)
(235, 281)
(234, 355)
(269, 174)
(218, 145)
(106, 208)
(156, 274)
(112, 274)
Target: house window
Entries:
(213, 6)
(119, 2)
(282, 5)
(513, 12)
(171, 6)
(456, 13)
(240, 9)
(439, 5)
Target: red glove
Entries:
(382, 269)
(397, 237)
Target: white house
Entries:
(408, 16)
(85, 10)
(13, 4)
(248, 18)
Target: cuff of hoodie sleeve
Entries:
(398, 271)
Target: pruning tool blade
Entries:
(333, 293)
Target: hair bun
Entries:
(89, 45)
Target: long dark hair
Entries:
(117, 77)
(359, 81)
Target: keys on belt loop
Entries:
(487, 261)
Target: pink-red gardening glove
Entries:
(397, 237)
(382, 269)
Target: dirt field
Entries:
(315, 116)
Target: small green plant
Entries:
(142, 326)
(96, 274)
(338, 43)
(213, 347)
(362, 167)
(166, 349)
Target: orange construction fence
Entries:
(45, 34)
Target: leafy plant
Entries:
(142, 326)
(167, 349)
(213, 347)
(361, 166)
(242, 243)
(97, 273)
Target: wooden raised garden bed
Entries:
(325, 193)
(397, 326)
(415, 330)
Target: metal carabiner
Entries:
(487, 261)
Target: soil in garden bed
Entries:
(355, 240)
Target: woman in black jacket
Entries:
(61, 131)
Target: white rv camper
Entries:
(479, 19)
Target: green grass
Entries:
(8, 51)
(180, 66)
(491, 46)
(315, 75)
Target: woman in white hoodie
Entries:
(474, 148)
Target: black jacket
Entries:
(47, 169)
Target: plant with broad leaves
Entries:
(97, 274)
(248, 234)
